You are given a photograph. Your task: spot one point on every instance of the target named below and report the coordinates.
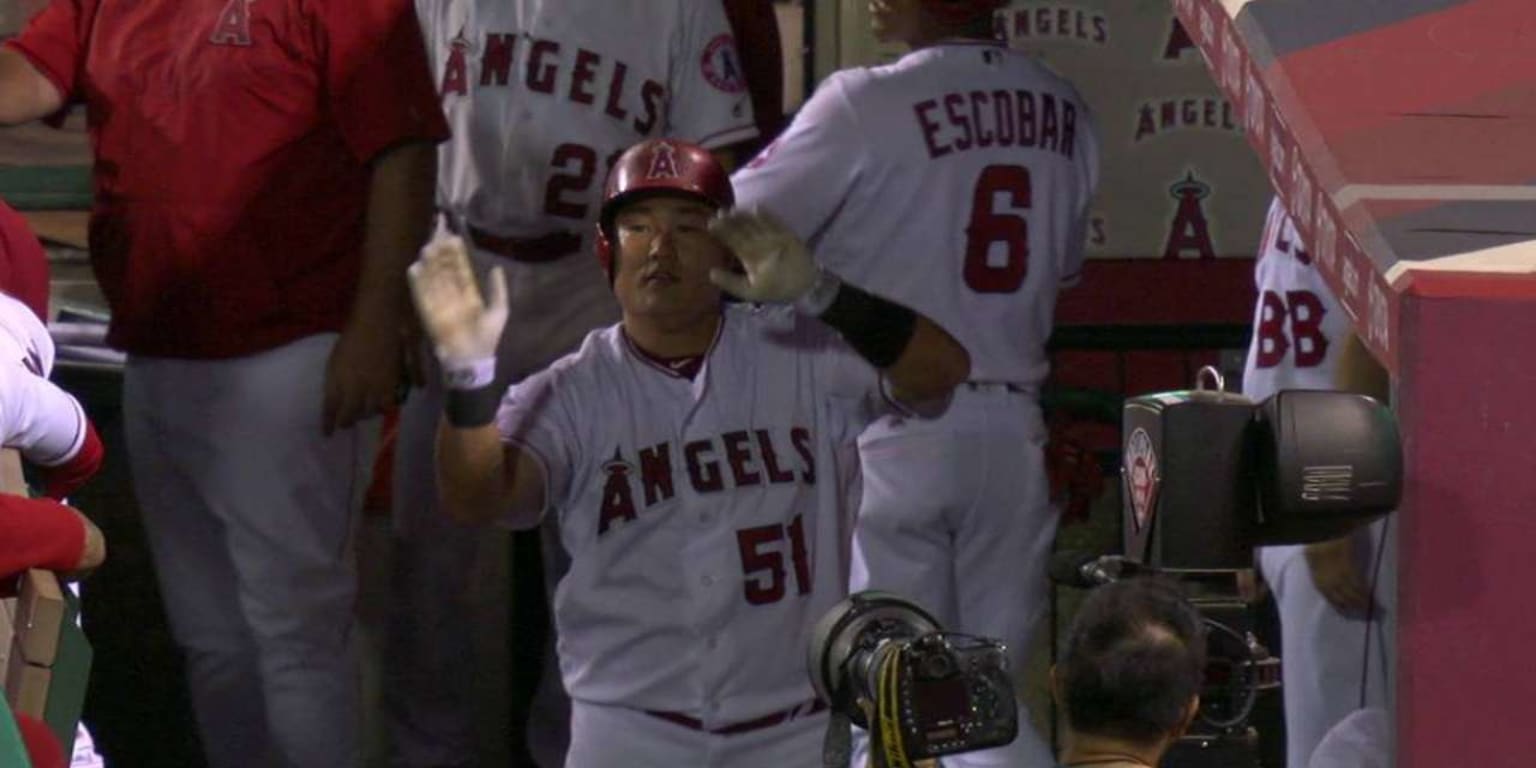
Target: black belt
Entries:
(529, 250)
(1006, 386)
(746, 726)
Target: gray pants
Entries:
(251, 514)
(1324, 651)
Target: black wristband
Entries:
(470, 408)
(876, 328)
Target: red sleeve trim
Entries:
(66, 478)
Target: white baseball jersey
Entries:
(38, 418)
(970, 206)
(543, 96)
(23, 337)
(1297, 322)
(706, 519)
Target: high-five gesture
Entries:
(778, 266)
(464, 328)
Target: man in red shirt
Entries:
(263, 175)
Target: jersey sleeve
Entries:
(534, 417)
(377, 79)
(38, 533)
(709, 103)
(806, 173)
(37, 418)
(54, 42)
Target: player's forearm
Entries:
(472, 473)
(920, 360)
(932, 364)
(25, 94)
(398, 221)
(42, 533)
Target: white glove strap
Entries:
(821, 294)
(473, 373)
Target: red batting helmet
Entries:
(659, 166)
(961, 11)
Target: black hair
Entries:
(1133, 661)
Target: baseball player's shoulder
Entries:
(23, 337)
(593, 360)
(847, 84)
(1036, 68)
(1043, 78)
(780, 326)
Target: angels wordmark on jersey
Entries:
(731, 460)
(587, 78)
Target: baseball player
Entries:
(696, 458)
(541, 98)
(50, 430)
(1301, 340)
(956, 180)
(42, 421)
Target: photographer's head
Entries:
(1130, 675)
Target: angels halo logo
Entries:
(1141, 468)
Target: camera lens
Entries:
(937, 665)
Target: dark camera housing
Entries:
(1208, 475)
(939, 693)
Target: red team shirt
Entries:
(231, 144)
(23, 263)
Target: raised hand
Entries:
(465, 330)
(778, 266)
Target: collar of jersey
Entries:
(655, 364)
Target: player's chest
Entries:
(216, 58)
(607, 56)
(664, 459)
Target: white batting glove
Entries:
(778, 266)
(464, 330)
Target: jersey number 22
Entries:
(992, 225)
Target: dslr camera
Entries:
(884, 664)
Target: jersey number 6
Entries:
(989, 226)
